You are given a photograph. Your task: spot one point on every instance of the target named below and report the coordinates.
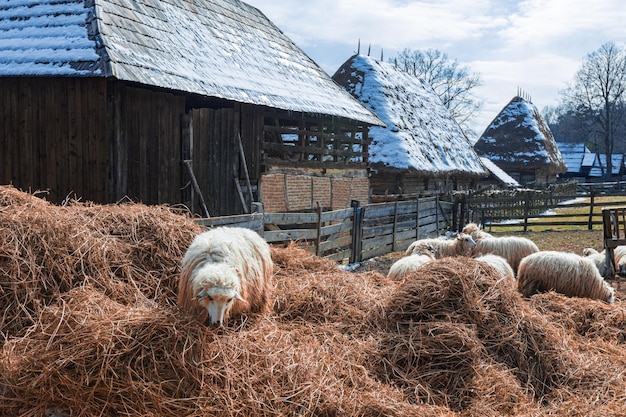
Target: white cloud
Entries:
(537, 45)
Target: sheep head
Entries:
(466, 242)
(217, 287)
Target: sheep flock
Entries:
(91, 325)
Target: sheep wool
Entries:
(511, 248)
(461, 245)
(566, 273)
(226, 271)
(475, 232)
(499, 264)
(408, 264)
(598, 258)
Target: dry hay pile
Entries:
(126, 251)
(91, 328)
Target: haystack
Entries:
(90, 327)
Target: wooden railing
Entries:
(352, 234)
(528, 211)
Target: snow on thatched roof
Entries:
(420, 133)
(520, 137)
(215, 48)
(500, 175)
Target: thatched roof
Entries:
(520, 137)
(215, 48)
(420, 134)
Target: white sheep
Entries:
(619, 255)
(408, 264)
(564, 272)
(499, 264)
(226, 271)
(475, 232)
(598, 258)
(511, 248)
(461, 245)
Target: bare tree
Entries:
(597, 95)
(453, 83)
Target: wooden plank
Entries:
(290, 218)
(337, 215)
(385, 229)
(291, 234)
(248, 221)
(75, 128)
(336, 228)
(335, 243)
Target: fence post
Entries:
(590, 222)
(417, 217)
(437, 208)
(357, 223)
(318, 211)
(526, 211)
(395, 227)
(455, 215)
(468, 207)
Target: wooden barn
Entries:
(172, 102)
(421, 149)
(520, 143)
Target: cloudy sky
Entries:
(536, 45)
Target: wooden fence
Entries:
(538, 210)
(355, 234)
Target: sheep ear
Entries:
(202, 293)
(239, 297)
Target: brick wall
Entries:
(293, 190)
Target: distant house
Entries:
(590, 161)
(422, 148)
(520, 143)
(106, 99)
(573, 155)
(496, 178)
(599, 166)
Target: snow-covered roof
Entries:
(420, 133)
(590, 160)
(519, 136)
(502, 176)
(617, 162)
(215, 48)
(573, 155)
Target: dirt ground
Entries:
(567, 241)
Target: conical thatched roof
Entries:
(420, 134)
(519, 136)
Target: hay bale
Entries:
(90, 327)
(317, 290)
(47, 250)
(149, 360)
(592, 318)
(468, 294)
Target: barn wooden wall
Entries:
(52, 136)
(215, 158)
(145, 137)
